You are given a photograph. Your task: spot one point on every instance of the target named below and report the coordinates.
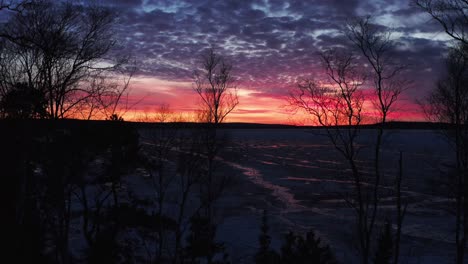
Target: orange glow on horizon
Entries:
(149, 94)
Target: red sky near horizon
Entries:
(270, 44)
(148, 94)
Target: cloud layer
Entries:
(270, 42)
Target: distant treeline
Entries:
(91, 124)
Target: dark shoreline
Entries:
(70, 123)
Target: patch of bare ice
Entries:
(279, 192)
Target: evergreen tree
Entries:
(298, 250)
(288, 254)
(265, 255)
(201, 242)
(23, 102)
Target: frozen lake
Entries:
(298, 176)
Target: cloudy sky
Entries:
(270, 44)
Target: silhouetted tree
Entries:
(159, 142)
(32, 234)
(107, 97)
(189, 173)
(384, 251)
(214, 84)
(113, 99)
(124, 147)
(377, 48)
(54, 47)
(64, 159)
(93, 209)
(401, 207)
(337, 106)
(201, 242)
(265, 255)
(451, 14)
(115, 117)
(448, 103)
(340, 102)
(24, 238)
(23, 102)
(310, 249)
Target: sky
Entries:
(270, 43)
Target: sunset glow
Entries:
(147, 95)
(271, 45)
(233, 131)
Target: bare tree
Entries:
(451, 14)
(93, 208)
(55, 47)
(189, 174)
(89, 108)
(448, 103)
(340, 102)
(401, 207)
(159, 143)
(337, 105)
(377, 48)
(214, 84)
(108, 96)
(164, 113)
(115, 101)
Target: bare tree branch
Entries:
(376, 45)
(55, 47)
(214, 84)
(448, 103)
(451, 14)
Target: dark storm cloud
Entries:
(270, 42)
